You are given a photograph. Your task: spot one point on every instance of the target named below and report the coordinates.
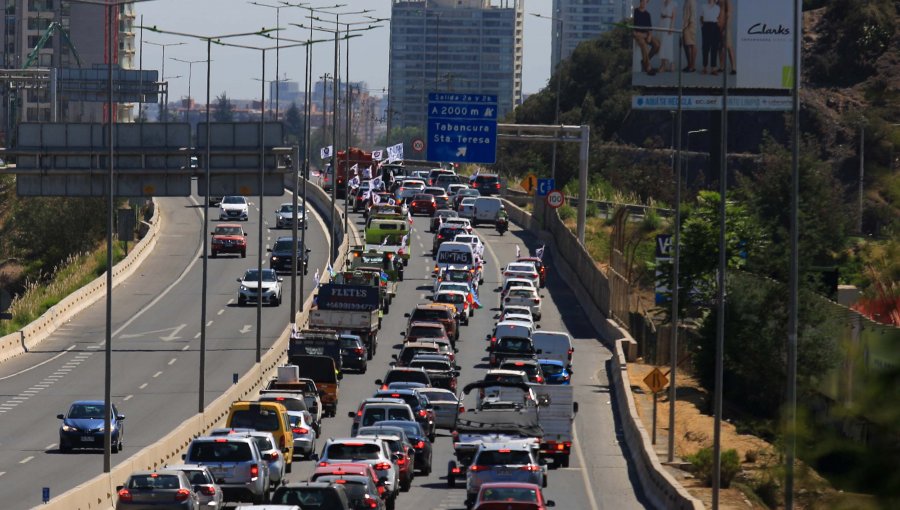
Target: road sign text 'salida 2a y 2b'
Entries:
(462, 128)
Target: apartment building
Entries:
(581, 20)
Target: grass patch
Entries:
(45, 292)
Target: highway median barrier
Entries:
(100, 491)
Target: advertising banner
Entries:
(347, 297)
(754, 35)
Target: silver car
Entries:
(267, 445)
(513, 461)
(284, 216)
(236, 463)
(249, 291)
(446, 404)
(203, 483)
(304, 433)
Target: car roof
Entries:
(389, 437)
(383, 401)
(186, 467)
(89, 402)
(333, 440)
(512, 322)
(526, 280)
(406, 369)
(511, 485)
(547, 361)
(511, 445)
(229, 225)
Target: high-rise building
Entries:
(63, 30)
(467, 46)
(581, 20)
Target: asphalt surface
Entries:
(155, 359)
(157, 393)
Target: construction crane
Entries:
(51, 28)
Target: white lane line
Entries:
(142, 386)
(50, 446)
(230, 301)
(197, 335)
(92, 347)
(32, 391)
(26, 460)
(158, 373)
(2, 473)
(588, 488)
(172, 361)
(21, 398)
(186, 347)
(63, 370)
(39, 364)
(127, 397)
(220, 312)
(54, 376)
(208, 324)
(44, 384)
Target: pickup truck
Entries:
(556, 416)
(478, 426)
(315, 342)
(322, 370)
(392, 265)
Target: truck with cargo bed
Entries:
(349, 308)
(288, 380)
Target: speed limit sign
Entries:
(555, 199)
(418, 145)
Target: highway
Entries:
(156, 325)
(155, 360)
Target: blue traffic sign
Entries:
(545, 186)
(462, 128)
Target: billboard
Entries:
(758, 43)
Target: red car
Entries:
(229, 238)
(511, 496)
(422, 204)
(349, 469)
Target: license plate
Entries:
(88, 439)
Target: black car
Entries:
(445, 234)
(354, 355)
(282, 255)
(486, 184)
(422, 410)
(417, 437)
(313, 494)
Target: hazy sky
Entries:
(234, 70)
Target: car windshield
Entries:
(198, 477)
(225, 451)
(448, 297)
(228, 231)
(350, 451)
(514, 344)
(263, 444)
(503, 458)
(486, 179)
(529, 369)
(257, 418)
(86, 411)
(282, 246)
(439, 396)
(268, 275)
(308, 497)
(551, 368)
(460, 287)
(425, 198)
(509, 494)
(426, 331)
(429, 314)
(409, 353)
(430, 365)
(153, 481)
(410, 427)
(446, 213)
(355, 487)
(289, 208)
(234, 200)
(458, 276)
(406, 375)
(349, 343)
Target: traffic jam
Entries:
(509, 426)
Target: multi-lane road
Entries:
(156, 328)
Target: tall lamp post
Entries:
(201, 403)
(688, 149)
(560, 23)
(277, 51)
(163, 107)
(190, 63)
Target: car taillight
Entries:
(207, 490)
(536, 301)
(125, 496)
(420, 445)
(539, 379)
(382, 466)
(370, 503)
(323, 464)
(476, 468)
(358, 350)
(182, 495)
(423, 413)
(274, 455)
(401, 461)
(254, 471)
(497, 185)
(530, 467)
(461, 410)
(457, 470)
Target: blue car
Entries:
(555, 372)
(82, 426)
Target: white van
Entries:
(454, 254)
(486, 210)
(553, 345)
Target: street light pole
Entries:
(277, 51)
(190, 63)
(560, 22)
(163, 106)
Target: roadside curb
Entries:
(27, 338)
(100, 491)
(661, 488)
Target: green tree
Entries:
(224, 109)
(293, 123)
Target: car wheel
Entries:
(289, 467)
(426, 470)
(391, 503)
(405, 485)
(64, 448)
(364, 368)
(114, 448)
(241, 301)
(565, 461)
(243, 254)
(214, 254)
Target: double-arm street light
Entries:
(163, 109)
(209, 40)
(190, 63)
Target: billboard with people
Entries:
(750, 40)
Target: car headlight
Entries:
(244, 288)
(274, 259)
(69, 428)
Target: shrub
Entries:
(702, 462)
(566, 212)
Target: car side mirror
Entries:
(340, 376)
(183, 456)
(60, 416)
(406, 315)
(575, 407)
(543, 296)
(396, 456)
(456, 373)
(308, 250)
(119, 487)
(269, 250)
(351, 414)
(285, 450)
(280, 278)
(382, 481)
(379, 382)
(393, 356)
(487, 337)
(120, 417)
(237, 279)
(314, 457)
(539, 351)
(550, 503)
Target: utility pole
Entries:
(324, 109)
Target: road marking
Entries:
(50, 446)
(220, 312)
(93, 347)
(142, 386)
(172, 361)
(186, 347)
(127, 397)
(44, 384)
(2, 473)
(197, 335)
(26, 460)
(230, 301)
(32, 391)
(22, 398)
(246, 329)
(54, 376)
(39, 364)
(208, 324)
(584, 472)
(158, 373)
(63, 370)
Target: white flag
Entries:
(367, 172)
(330, 270)
(376, 199)
(316, 277)
(377, 155)
(403, 242)
(325, 152)
(355, 168)
(377, 183)
(409, 217)
(384, 243)
(354, 182)
(517, 251)
(367, 195)
(539, 253)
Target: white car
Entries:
(515, 310)
(524, 296)
(510, 283)
(474, 240)
(467, 208)
(441, 286)
(234, 207)
(446, 405)
(457, 299)
(410, 188)
(461, 222)
(303, 432)
(452, 189)
(522, 270)
(284, 215)
(271, 287)
(374, 452)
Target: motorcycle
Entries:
(502, 225)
